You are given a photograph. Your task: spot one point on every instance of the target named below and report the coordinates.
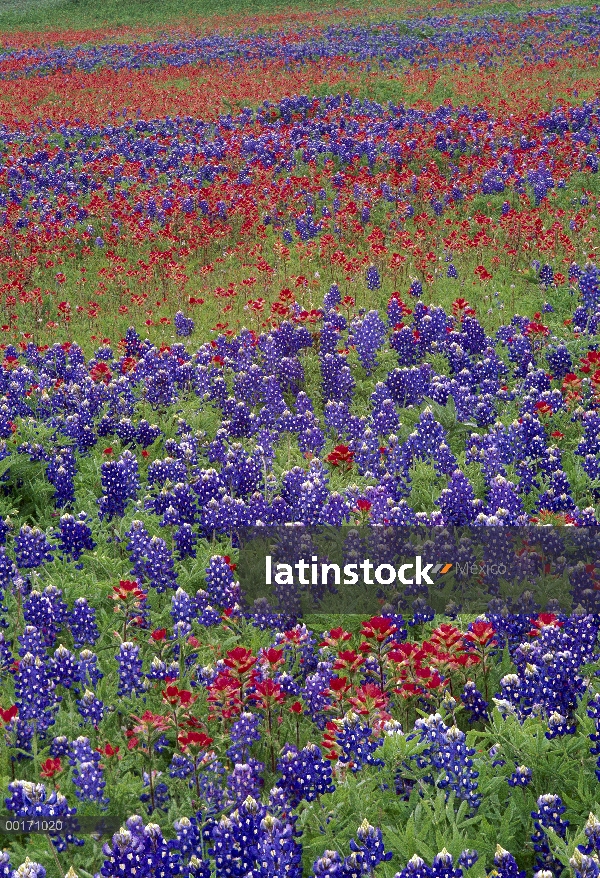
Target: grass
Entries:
(81, 14)
(85, 14)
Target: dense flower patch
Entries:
(141, 463)
(487, 36)
(95, 215)
(317, 308)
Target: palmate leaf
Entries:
(413, 837)
(6, 464)
(561, 849)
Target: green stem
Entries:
(55, 856)
(150, 776)
(271, 745)
(34, 745)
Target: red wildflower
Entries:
(341, 456)
(481, 634)
(335, 637)
(108, 750)
(194, 740)
(537, 329)
(378, 628)
(50, 767)
(178, 697)
(239, 660)
(101, 374)
(9, 714)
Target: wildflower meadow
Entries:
(324, 266)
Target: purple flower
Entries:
(87, 774)
(32, 548)
(120, 484)
(130, 669)
(91, 708)
(305, 774)
(184, 326)
(521, 777)
(82, 623)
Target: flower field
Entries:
(321, 267)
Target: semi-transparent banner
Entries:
(299, 570)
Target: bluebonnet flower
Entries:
(147, 433)
(220, 585)
(369, 851)
(245, 781)
(60, 746)
(415, 868)
(546, 275)
(592, 834)
(160, 793)
(183, 607)
(443, 866)
(33, 800)
(548, 816)
(394, 312)
(520, 777)
(337, 380)
(250, 837)
(160, 391)
(457, 502)
(305, 774)
(506, 865)
(120, 484)
(278, 852)
(91, 708)
(559, 725)
(32, 548)
(32, 641)
(126, 431)
(60, 473)
(64, 667)
(89, 672)
(130, 669)
(332, 298)
(158, 565)
(185, 540)
(243, 733)
(82, 623)
(138, 850)
(421, 612)
(184, 326)
(6, 869)
(449, 757)
(589, 287)
(473, 701)
(74, 536)
(87, 774)
(188, 839)
(38, 611)
(35, 693)
(368, 335)
(583, 865)
(373, 278)
(180, 766)
(5, 529)
(29, 869)
(355, 741)
(468, 858)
